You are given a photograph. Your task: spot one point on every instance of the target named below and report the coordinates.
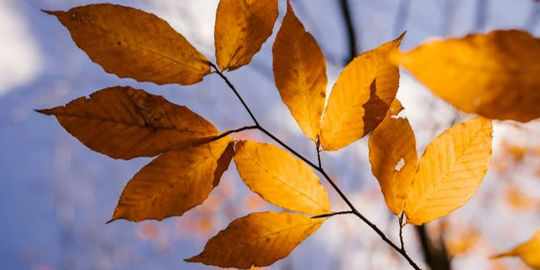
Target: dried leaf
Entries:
(450, 171)
(174, 182)
(361, 97)
(528, 252)
(494, 75)
(280, 178)
(393, 157)
(300, 73)
(134, 44)
(122, 122)
(242, 26)
(258, 239)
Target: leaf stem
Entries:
(234, 131)
(333, 214)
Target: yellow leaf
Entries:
(258, 239)
(242, 26)
(300, 73)
(494, 75)
(132, 43)
(280, 178)
(122, 122)
(393, 157)
(529, 252)
(450, 171)
(174, 182)
(361, 97)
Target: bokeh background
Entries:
(56, 195)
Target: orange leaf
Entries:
(494, 75)
(258, 239)
(393, 157)
(174, 182)
(122, 122)
(361, 97)
(300, 73)
(280, 178)
(242, 26)
(132, 43)
(528, 252)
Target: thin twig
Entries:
(318, 149)
(233, 131)
(401, 225)
(346, 10)
(333, 214)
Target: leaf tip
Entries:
(44, 111)
(52, 12)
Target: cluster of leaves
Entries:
(123, 123)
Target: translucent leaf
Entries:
(242, 26)
(393, 157)
(132, 43)
(258, 239)
(174, 182)
(450, 171)
(494, 75)
(529, 252)
(122, 122)
(280, 178)
(361, 97)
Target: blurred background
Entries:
(56, 195)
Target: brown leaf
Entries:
(242, 26)
(132, 43)
(300, 73)
(174, 182)
(122, 122)
(258, 239)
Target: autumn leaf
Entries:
(494, 75)
(174, 182)
(258, 239)
(393, 157)
(360, 98)
(242, 26)
(300, 73)
(450, 171)
(528, 252)
(280, 178)
(134, 44)
(122, 122)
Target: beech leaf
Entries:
(300, 73)
(450, 171)
(494, 75)
(134, 44)
(174, 182)
(360, 97)
(123, 122)
(258, 239)
(529, 252)
(280, 178)
(242, 26)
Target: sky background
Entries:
(56, 194)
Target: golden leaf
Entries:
(494, 75)
(258, 239)
(242, 26)
(174, 182)
(300, 73)
(122, 122)
(361, 97)
(132, 43)
(529, 252)
(450, 171)
(393, 157)
(280, 178)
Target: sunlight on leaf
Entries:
(174, 182)
(360, 98)
(258, 239)
(280, 178)
(242, 26)
(494, 75)
(134, 44)
(450, 171)
(300, 73)
(391, 143)
(122, 122)
(529, 252)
